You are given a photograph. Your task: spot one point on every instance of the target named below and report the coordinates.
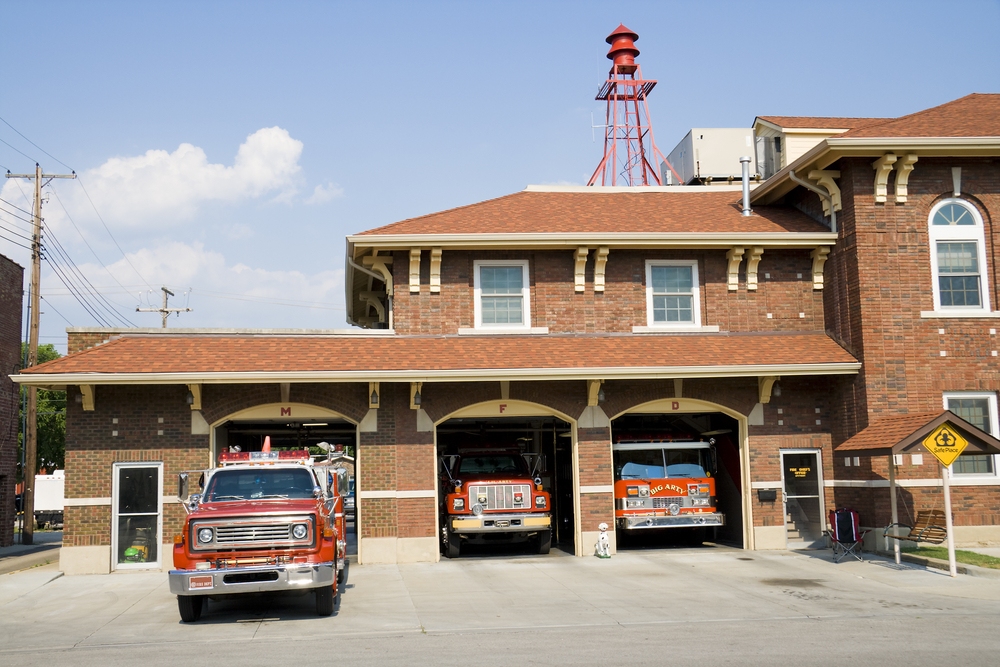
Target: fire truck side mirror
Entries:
(182, 487)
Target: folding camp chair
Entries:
(846, 534)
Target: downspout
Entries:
(821, 193)
(388, 286)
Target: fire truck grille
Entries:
(253, 534)
(663, 502)
(501, 496)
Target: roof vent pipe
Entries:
(745, 162)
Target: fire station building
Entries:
(855, 285)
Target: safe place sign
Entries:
(945, 443)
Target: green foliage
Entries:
(961, 556)
(51, 453)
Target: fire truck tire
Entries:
(544, 542)
(453, 548)
(324, 600)
(342, 575)
(190, 607)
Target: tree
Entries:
(51, 450)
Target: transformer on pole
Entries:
(630, 154)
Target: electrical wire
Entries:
(16, 216)
(19, 151)
(49, 305)
(17, 207)
(35, 145)
(58, 271)
(80, 181)
(26, 247)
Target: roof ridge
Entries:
(435, 213)
(915, 114)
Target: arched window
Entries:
(958, 258)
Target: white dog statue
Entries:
(603, 547)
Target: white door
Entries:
(802, 484)
(136, 516)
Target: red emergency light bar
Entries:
(263, 457)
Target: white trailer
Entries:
(49, 498)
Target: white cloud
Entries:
(132, 191)
(323, 194)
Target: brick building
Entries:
(861, 287)
(11, 293)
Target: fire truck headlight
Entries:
(477, 509)
(699, 502)
(299, 531)
(458, 504)
(540, 502)
(205, 535)
(644, 491)
(632, 504)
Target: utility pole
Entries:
(164, 311)
(31, 417)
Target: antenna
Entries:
(164, 311)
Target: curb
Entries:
(939, 564)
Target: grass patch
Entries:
(961, 556)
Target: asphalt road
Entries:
(678, 606)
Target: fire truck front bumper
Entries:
(500, 523)
(679, 521)
(252, 579)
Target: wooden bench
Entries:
(928, 527)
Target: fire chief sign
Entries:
(945, 443)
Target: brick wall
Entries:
(11, 292)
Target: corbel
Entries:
(819, 257)
(379, 263)
(600, 261)
(735, 256)
(764, 385)
(903, 168)
(87, 392)
(882, 167)
(415, 397)
(435, 270)
(580, 268)
(594, 393)
(374, 299)
(825, 178)
(373, 395)
(414, 269)
(752, 261)
(286, 391)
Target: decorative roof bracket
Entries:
(374, 300)
(195, 390)
(87, 391)
(903, 168)
(825, 178)
(600, 261)
(819, 257)
(594, 392)
(882, 167)
(752, 262)
(435, 270)
(378, 263)
(764, 385)
(414, 269)
(580, 268)
(735, 256)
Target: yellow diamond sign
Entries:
(945, 443)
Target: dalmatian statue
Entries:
(603, 547)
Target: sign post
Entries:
(945, 443)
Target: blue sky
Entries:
(226, 149)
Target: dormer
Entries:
(781, 140)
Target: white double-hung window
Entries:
(672, 294)
(958, 259)
(980, 410)
(502, 294)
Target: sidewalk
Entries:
(21, 556)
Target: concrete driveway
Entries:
(642, 607)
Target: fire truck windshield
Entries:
(259, 483)
(492, 464)
(656, 463)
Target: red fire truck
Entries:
(665, 485)
(492, 495)
(265, 521)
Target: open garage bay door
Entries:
(506, 486)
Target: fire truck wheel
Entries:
(190, 607)
(342, 575)
(544, 542)
(454, 548)
(324, 600)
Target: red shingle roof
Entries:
(649, 212)
(442, 354)
(976, 115)
(888, 431)
(819, 122)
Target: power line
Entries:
(49, 304)
(16, 206)
(35, 145)
(19, 151)
(80, 181)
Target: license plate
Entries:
(503, 524)
(202, 581)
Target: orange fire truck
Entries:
(491, 495)
(665, 485)
(265, 521)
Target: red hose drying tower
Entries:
(627, 128)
